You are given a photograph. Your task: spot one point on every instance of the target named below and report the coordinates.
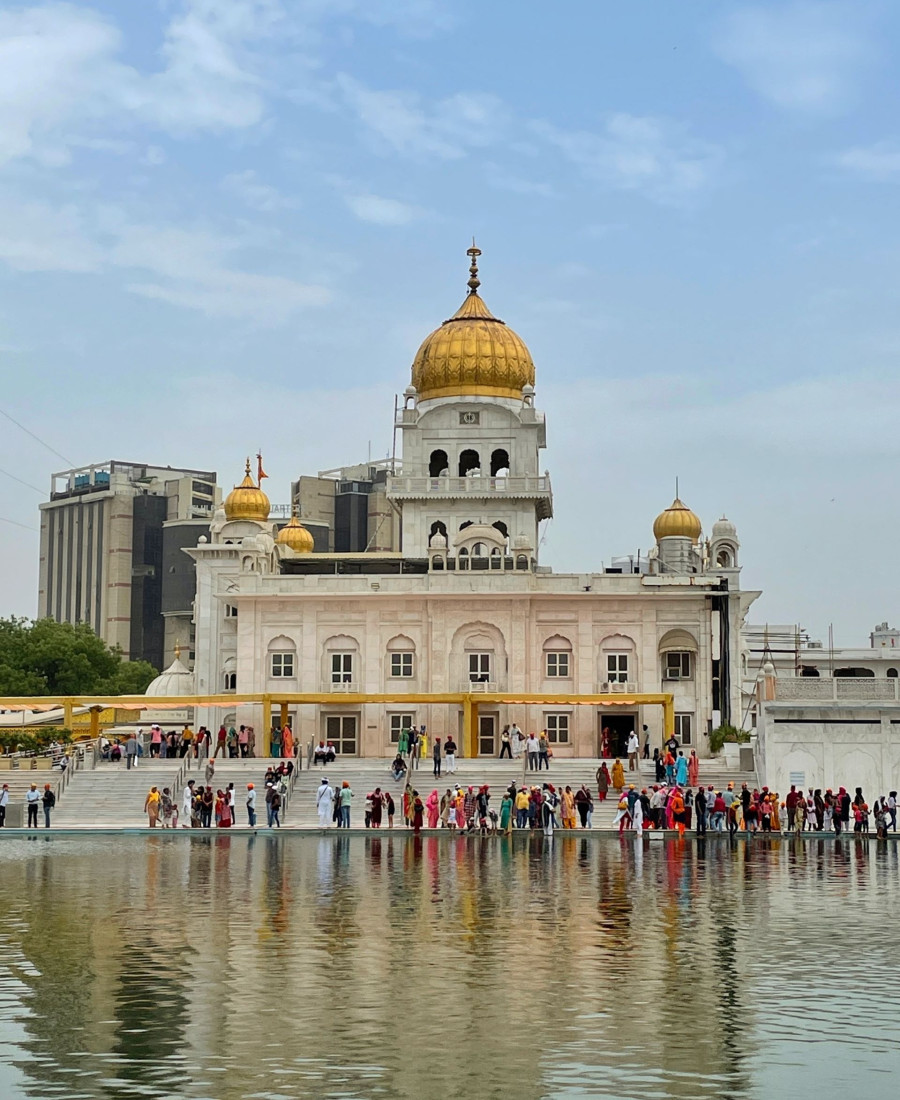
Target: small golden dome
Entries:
(472, 353)
(295, 536)
(247, 500)
(677, 521)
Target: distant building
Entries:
(111, 552)
(347, 510)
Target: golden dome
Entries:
(247, 501)
(472, 353)
(677, 521)
(296, 536)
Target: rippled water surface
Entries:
(270, 967)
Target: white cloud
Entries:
(637, 153)
(249, 188)
(447, 129)
(878, 162)
(191, 268)
(38, 237)
(504, 180)
(801, 56)
(61, 75)
(379, 211)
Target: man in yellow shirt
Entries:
(523, 799)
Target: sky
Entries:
(227, 225)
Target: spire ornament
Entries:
(474, 281)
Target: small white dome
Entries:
(177, 679)
(724, 529)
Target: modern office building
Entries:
(111, 552)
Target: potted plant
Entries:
(727, 740)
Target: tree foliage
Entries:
(43, 657)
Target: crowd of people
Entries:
(205, 806)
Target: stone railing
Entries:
(837, 689)
(467, 486)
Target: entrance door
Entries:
(340, 730)
(487, 734)
(614, 730)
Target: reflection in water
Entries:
(398, 966)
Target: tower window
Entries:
(499, 463)
(469, 461)
(438, 464)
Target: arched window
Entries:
(465, 523)
(809, 670)
(618, 660)
(282, 656)
(340, 661)
(892, 674)
(437, 528)
(501, 527)
(854, 672)
(401, 658)
(499, 463)
(521, 561)
(557, 658)
(438, 464)
(478, 550)
(229, 674)
(469, 463)
(723, 559)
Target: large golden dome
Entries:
(296, 536)
(472, 353)
(677, 521)
(247, 500)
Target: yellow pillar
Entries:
(95, 723)
(468, 724)
(668, 717)
(470, 727)
(68, 708)
(266, 725)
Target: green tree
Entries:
(44, 657)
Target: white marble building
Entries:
(466, 605)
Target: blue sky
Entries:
(227, 224)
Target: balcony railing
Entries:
(344, 688)
(489, 686)
(468, 486)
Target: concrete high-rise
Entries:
(111, 539)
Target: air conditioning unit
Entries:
(615, 688)
(483, 686)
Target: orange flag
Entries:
(260, 472)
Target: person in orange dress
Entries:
(678, 812)
(287, 742)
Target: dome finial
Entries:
(247, 467)
(474, 281)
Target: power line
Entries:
(27, 484)
(16, 523)
(53, 450)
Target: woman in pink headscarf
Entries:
(431, 806)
